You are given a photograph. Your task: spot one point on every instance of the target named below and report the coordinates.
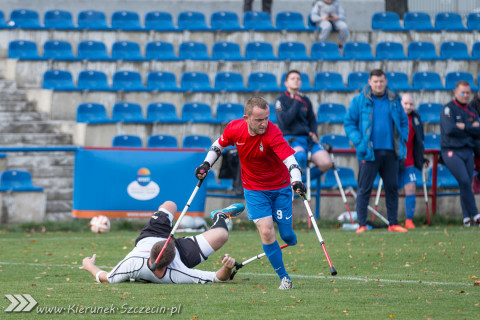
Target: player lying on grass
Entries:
(180, 256)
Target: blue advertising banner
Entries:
(132, 183)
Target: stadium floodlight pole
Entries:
(350, 190)
(377, 198)
(238, 265)
(425, 194)
(177, 224)
(333, 271)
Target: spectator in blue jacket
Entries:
(298, 123)
(378, 127)
(459, 127)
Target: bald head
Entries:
(407, 103)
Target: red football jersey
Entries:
(261, 156)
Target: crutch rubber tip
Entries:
(153, 266)
(333, 271)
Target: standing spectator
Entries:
(378, 127)
(414, 159)
(266, 5)
(298, 123)
(268, 166)
(459, 126)
(328, 15)
(475, 103)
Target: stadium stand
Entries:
(430, 112)
(127, 81)
(346, 175)
(17, 180)
(59, 20)
(92, 113)
(159, 21)
(445, 179)
(292, 50)
(196, 141)
(127, 141)
(454, 50)
(223, 184)
(23, 50)
(192, 20)
(162, 112)
(162, 141)
(93, 80)
(25, 19)
(331, 113)
(225, 21)
(193, 50)
(432, 141)
(398, 81)
(418, 21)
(58, 50)
(262, 81)
(473, 21)
(127, 50)
(422, 50)
(290, 21)
(160, 50)
(58, 80)
(337, 141)
(450, 21)
(128, 112)
(162, 81)
(357, 80)
(357, 50)
(330, 81)
(227, 112)
(225, 50)
(386, 21)
(195, 81)
(229, 81)
(197, 113)
(258, 21)
(427, 80)
(126, 20)
(259, 50)
(325, 51)
(92, 20)
(92, 50)
(388, 50)
(452, 78)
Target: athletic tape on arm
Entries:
(214, 153)
(293, 168)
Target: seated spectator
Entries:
(328, 15)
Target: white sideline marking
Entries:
(273, 275)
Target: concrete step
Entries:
(36, 127)
(54, 206)
(13, 95)
(55, 194)
(8, 84)
(16, 106)
(41, 159)
(59, 216)
(23, 116)
(37, 139)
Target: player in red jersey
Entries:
(268, 166)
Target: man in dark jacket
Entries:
(459, 127)
(414, 159)
(475, 103)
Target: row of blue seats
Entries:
(162, 112)
(421, 21)
(157, 21)
(17, 180)
(92, 80)
(257, 50)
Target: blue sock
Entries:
(274, 254)
(409, 206)
(301, 157)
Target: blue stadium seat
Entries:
(390, 51)
(311, 26)
(357, 50)
(58, 80)
(92, 20)
(454, 50)
(329, 81)
(273, 116)
(127, 141)
(25, 19)
(450, 21)
(126, 20)
(422, 50)
(306, 85)
(23, 50)
(290, 21)
(127, 50)
(445, 179)
(127, 81)
(3, 24)
(197, 112)
(92, 50)
(357, 80)
(195, 81)
(223, 184)
(92, 113)
(58, 50)
(227, 112)
(398, 81)
(93, 81)
(162, 112)
(418, 21)
(159, 21)
(258, 50)
(346, 175)
(325, 51)
(292, 50)
(229, 81)
(263, 81)
(430, 112)
(473, 21)
(225, 21)
(128, 112)
(432, 141)
(196, 141)
(452, 78)
(424, 80)
(193, 50)
(193, 21)
(258, 21)
(476, 51)
(162, 141)
(17, 180)
(331, 113)
(160, 50)
(58, 19)
(226, 51)
(162, 81)
(386, 21)
(337, 141)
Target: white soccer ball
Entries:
(100, 224)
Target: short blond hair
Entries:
(255, 102)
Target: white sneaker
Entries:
(467, 222)
(285, 284)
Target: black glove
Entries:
(202, 169)
(327, 147)
(299, 187)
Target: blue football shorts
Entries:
(303, 141)
(275, 203)
(406, 176)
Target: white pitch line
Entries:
(274, 275)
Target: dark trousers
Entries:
(266, 5)
(460, 163)
(386, 164)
